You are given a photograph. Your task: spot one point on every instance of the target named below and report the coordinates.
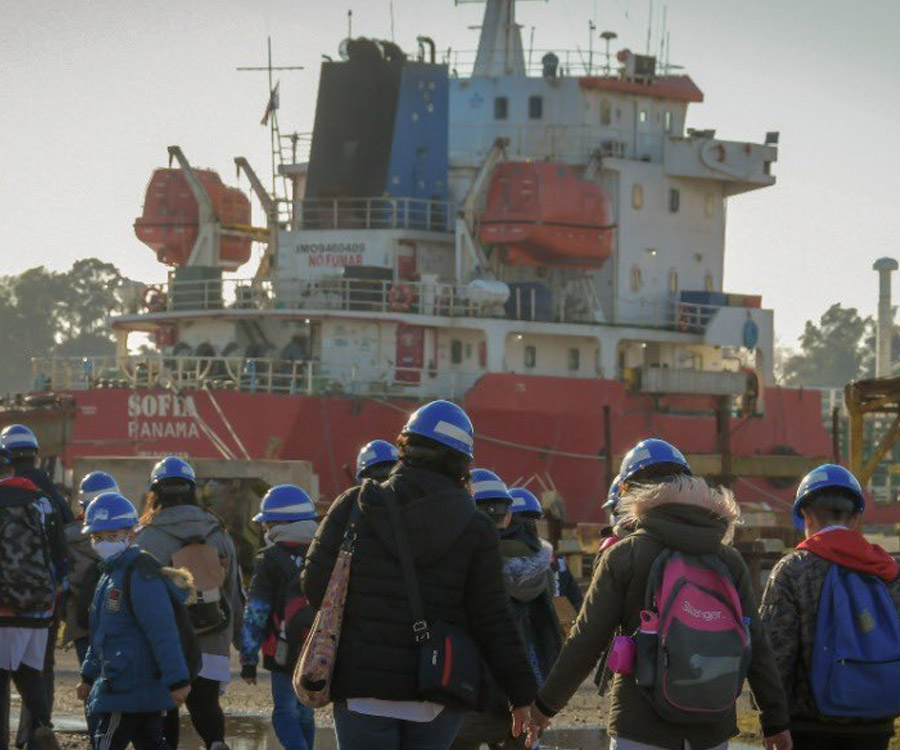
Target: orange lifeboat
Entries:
(170, 222)
(542, 214)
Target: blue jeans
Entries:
(294, 723)
(363, 732)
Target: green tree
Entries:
(833, 352)
(47, 313)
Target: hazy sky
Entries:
(93, 91)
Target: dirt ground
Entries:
(585, 708)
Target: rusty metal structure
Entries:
(878, 397)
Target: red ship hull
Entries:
(525, 425)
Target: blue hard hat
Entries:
(93, 485)
(486, 486)
(612, 497)
(374, 453)
(109, 511)
(286, 502)
(648, 453)
(524, 503)
(172, 467)
(18, 438)
(446, 423)
(827, 476)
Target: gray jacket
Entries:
(168, 532)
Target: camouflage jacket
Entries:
(789, 612)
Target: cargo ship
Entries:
(542, 242)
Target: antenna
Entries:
(350, 24)
(392, 20)
(649, 26)
(608, 36)
(592, 27)
(271, 116)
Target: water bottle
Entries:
(646, 646)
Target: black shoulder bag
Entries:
(449, 660)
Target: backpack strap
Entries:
(421, 632)
(148, 565)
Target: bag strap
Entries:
(349, 541)
(421, 632)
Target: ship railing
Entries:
(686, 317)
(572, 62)
(375, 213)
(432, 298)
(573, 143)
(249, 374)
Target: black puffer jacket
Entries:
(456, 552)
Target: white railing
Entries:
(375, 213)
(254, 375)
(573, 143)
(350, 295)
(572, 62)
(679, 316)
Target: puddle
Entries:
(255, 733)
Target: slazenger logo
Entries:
(701, 614)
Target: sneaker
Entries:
(44, 739)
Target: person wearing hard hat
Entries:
(831, 609)
(277, 616)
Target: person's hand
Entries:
(83, 690)
(519, 720)
(180, 695)
(780, 741)
(536, 724)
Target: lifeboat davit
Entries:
(170, 222)
(542, 214)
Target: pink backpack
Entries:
(693, 646)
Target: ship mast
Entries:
(500, 50)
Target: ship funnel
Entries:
(885, 267)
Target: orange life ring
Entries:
(400, 298)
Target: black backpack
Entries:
(27, 583)
(190, 645)
(292, 615)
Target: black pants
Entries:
(30, 684)
(816, 741)
(206, 714)
(117, 731)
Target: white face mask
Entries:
(107, 550)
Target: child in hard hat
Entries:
(830, 610)
(136, 667)
(277, 616)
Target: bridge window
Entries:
(456, 351)
(674, 200)
(667, 120)
(605, 112)
(535, 107)
(637, 197)
(530, 356)
(501, 108)
(574, 358)
(642, 116)
(673, 281)
(637, 279)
